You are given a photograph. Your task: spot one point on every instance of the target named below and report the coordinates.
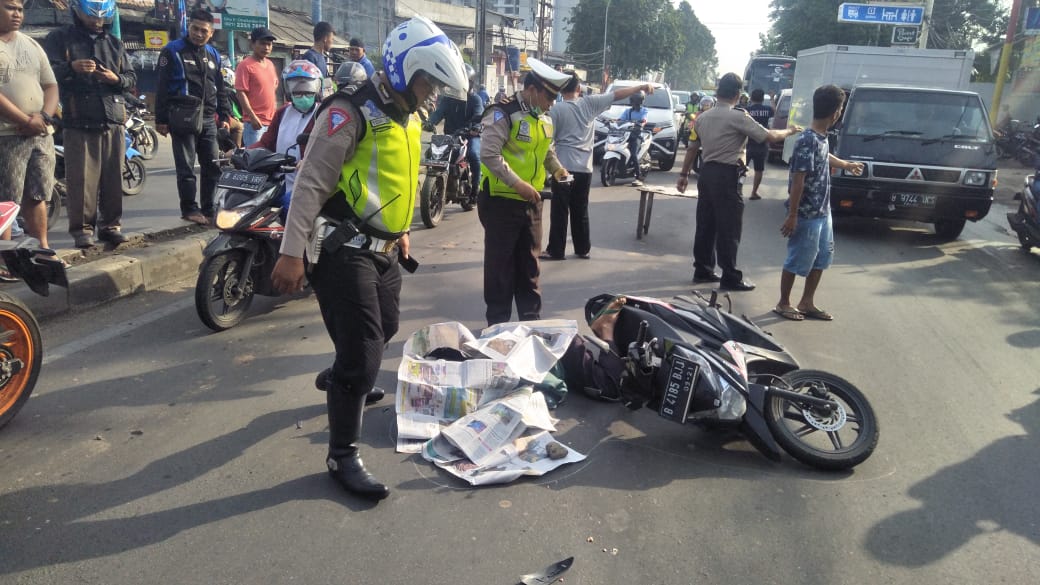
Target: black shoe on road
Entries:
(742, 286)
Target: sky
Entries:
(735, 26)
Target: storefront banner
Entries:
(155, 39)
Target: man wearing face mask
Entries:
(360, 175)
(302, 82)
(516, 153)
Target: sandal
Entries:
(819, 314)
(789, 313)
(610, 308)
(6, 276)
(196, 217)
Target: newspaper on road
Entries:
(479, 418)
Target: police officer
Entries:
(721, 134)
(360, 174)
(516, 152)
(458, 115)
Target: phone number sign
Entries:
(881, 13)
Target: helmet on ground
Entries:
(301, 76)
(95, 8)
(419, 47)
(547, 77)
(636, 100)
(229, 76)
(350, 73)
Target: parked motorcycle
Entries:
(695, 363)
(21, 347)
(134, 172)
(1026, 221)
(144, 138)
(448, 176)
(238, 263)
(617, 160)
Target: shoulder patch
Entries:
(338, 118)
(499, 114)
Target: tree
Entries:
(642, 35)
(696, 65)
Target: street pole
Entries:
(481, 42)
(1005, 59)
(926, 24)
(606, 19)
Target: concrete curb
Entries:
(119, 275)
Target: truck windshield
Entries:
(931, 116)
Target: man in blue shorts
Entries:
(808, 225)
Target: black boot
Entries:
(345, 466)
(321, 382)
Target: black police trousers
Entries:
(512, 243)
(720, 220)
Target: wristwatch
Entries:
(47, 118)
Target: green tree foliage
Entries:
(642, 35)
(696, 65)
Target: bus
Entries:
(770, 73)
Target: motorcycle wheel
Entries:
(147, 142)
(1023, 240)
(216, 291)
(467, 199)
(55, 204)
(21, 355)
(431, 200)
(608, 172)
(1025, 157)
(134, 175)
(831, 441)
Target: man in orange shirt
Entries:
(256, 80)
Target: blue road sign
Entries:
(1032, 19)
(880, 14)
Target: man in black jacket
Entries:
(191, 67)
(93, 71)
(457, 115)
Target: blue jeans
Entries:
(250, 136)
(473, 157)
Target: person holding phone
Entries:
(93, 72)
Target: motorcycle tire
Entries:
(431, 200)
(147, 142)
(55, 204)
(21, 355)
(134, 176)
(217, 292)
(821, 439)
(467, 198)
(608, 172)
(1023, 239)
(1025, 157)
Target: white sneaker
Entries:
(637, 183)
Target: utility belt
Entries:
(332, 236)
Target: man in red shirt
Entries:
(256, 80)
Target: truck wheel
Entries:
(949, 229)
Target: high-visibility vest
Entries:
(530, 137)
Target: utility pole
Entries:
(481, 41)
(1005, 60)
(541, 29)
(926, 24)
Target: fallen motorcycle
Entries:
(695, 363)
(21, 347)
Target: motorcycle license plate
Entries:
(913, 200)
(242, 180)
(682, 377)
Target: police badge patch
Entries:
(523, 132)
(338, 118)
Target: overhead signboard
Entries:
(1032, 21)
(881, 13)
(905, 35)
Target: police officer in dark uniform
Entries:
(360, 175)
(722, 133)
(516, 152)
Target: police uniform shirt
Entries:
(493, 139)
(723, 131)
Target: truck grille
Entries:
(900, 172)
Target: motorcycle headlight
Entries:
(229, 218)
(975, 178)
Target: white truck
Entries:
(925, 142)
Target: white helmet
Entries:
(419, 46)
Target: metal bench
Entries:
(646, 203)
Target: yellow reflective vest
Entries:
(380, 180)
(530, 137)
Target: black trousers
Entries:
(186, 148)
(358, 294)
(720, 220)
(512, 243)
(570, 200)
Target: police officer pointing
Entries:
(360, 175)
(721, 135)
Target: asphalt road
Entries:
(154, 451)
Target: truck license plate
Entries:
(682, 377)
(913, 200)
